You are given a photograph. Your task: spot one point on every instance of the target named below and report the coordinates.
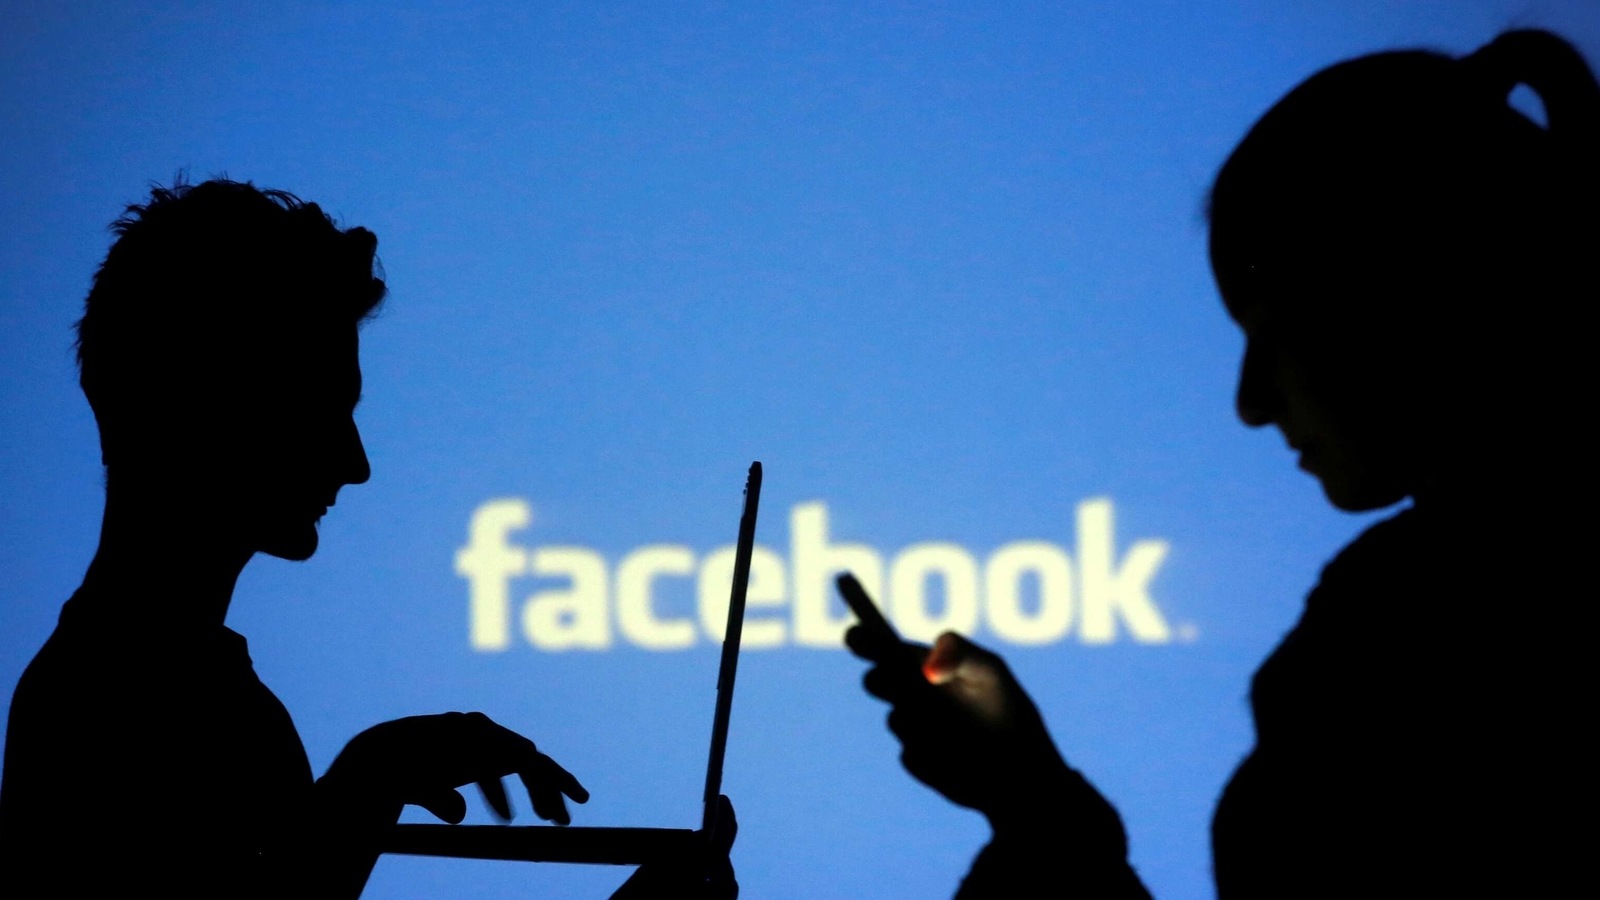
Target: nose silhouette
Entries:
(359, 468)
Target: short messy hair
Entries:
(207, 284)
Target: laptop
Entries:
(613, 846)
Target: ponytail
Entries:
(1562, 79)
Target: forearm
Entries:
(1057, 836)
(335, 853)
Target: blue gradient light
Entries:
(941, 268)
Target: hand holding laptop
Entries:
(701, 877)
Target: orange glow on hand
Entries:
(943, 660)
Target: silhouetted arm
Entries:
(419, 760)
(969, 731)
(1064, 838)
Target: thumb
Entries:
(976, 679)
(726, 828)
(953, 656)
(446, 803)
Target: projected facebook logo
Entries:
(664, 597)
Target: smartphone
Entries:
(935, 670)
(855, 597)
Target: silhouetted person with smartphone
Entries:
(218, 349)
(1410, 260)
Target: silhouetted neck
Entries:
(158, 551)
(1500, 483)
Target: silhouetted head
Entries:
(1408, 257)
(218, 351)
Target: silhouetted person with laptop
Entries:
(1410, 260)
(218, 349)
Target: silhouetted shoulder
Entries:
(133, 741)
(1408, 724)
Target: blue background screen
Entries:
(940, 267)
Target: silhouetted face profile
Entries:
(219, 351)
(282, 459)
(1396, 242)
(1331, 347)
(1346, 429)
